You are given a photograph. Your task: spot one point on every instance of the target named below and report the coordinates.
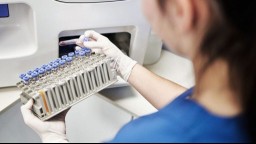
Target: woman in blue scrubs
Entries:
(218, 36)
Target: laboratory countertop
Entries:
(169, 66)
(8, 96)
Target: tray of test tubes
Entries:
(65, 82)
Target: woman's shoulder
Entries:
(194, 118)
(185, 107)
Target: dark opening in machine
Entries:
(122, 40)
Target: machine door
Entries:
(87, 1)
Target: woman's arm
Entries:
(157, 90)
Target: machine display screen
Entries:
(4, 10)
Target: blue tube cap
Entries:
(58, 60)
(37, 69)
(82, 53)
(62, 62)
(55, 65)
(26, 78)
(87, 50)
(77, 52)
(64, 57)
(71, 54)
(51, 63)
(34, 74)
(69, 59)
(44, 66)
(48, 68)
(41, 71)
(22, 75)
(29, 72)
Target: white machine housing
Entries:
(29, 37)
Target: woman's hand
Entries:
(53, 131)
(122, 63)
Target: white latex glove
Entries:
(122, 63)
(53, 131)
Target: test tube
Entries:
(76, 57)
(71, 42)
(34, 78)
(78, 60)
(35, 75)
(69, 61)
(48, 69)
(53, 73)
(29, 76)
(41, 72)
(55, 67)
(62, 64)
(68, 64)
(68, 42)
(81, 56)
(41, 79)
(77, 53)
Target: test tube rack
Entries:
(65, 82)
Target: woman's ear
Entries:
(181, 14)
(185, 15)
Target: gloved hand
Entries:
(53, 131)
(122, 63)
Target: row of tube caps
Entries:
(54, 65)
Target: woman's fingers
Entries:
(93, 44)
(28, 105)
(80, 41)
(92, 34)
(29, 118)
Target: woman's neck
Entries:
(213, 90)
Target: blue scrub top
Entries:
(183, 120)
